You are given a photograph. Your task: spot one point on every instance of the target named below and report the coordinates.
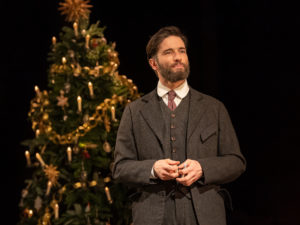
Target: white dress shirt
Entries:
(180, 91)
(162, 92)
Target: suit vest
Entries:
(176, 129)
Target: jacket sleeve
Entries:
(229, 164)
(127, 167)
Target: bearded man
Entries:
(176, 146)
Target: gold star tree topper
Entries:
(75, 9)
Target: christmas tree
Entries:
(75, 123)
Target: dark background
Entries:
(244, 53)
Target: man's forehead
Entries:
(171, 42)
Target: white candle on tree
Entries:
(37, 90)
(69, 152)
(54, 40)
(27, 155)
(113, 113)
(79, 102)
(90, 84)
(49, 185)
(56, 211)
(38, 156)
(87, 41)
(75, 26)
(64, 60)
(108, 195)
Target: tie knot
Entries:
(171, 95)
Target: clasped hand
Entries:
(185, 173)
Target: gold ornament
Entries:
(76, 149)
(101, 114)
(76, 70)
(77, 185)
(28, 213)
(97, 71)
(107, 179)
(46, 218)
(93, 183)
(106, 123)
(52, 174)
(75, 9)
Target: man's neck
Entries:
(171, 85)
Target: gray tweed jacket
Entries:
(211, 140)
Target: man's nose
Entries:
(177, 56)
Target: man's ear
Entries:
(153, 64)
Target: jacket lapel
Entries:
(197, 109)
(152, 114)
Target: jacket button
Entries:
(173, 115)
(173, 138)
(172, 126)
(173, 150)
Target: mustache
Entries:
(178, 63)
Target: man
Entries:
(175, 146)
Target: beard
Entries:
(172, 76)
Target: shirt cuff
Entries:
(152, 175)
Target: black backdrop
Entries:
(243, 53)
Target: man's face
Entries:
(171, 60)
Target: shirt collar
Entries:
(180, 91)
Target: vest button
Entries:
(173, 138)
(172, 126)
(173, 115)
(173, 150)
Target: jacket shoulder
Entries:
(207, 98)
(138, 103)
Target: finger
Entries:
(169, 176)
(170, 168)
(181, 166)
(184, 172)
(172, 162)
(186, 183)
(173, 175)
(185, 178)
(185, 164)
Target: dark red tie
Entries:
(171, 103)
